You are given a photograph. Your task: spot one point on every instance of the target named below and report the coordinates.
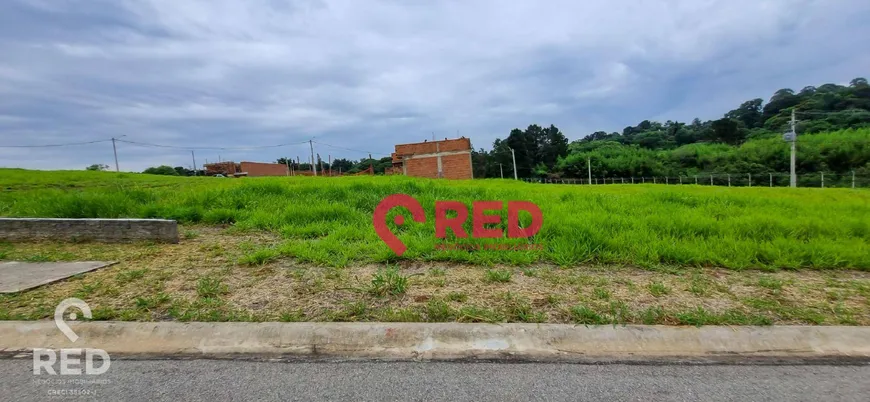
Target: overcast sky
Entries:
(366, 74)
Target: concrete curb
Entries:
(447, 341)
(102, 230)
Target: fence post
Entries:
(623, 179)
(666, 179)
(729, 180)
(681, 179)
(853, 179)
(771, 179)
(711, 180)
(750, 179)
(654, 180)
(643, 179)
(632, 179)
(823, 179)
(696, 179)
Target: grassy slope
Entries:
(328, 221)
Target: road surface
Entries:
(218, 380)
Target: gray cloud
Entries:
(367, 75)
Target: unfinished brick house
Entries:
(251, 169)
(448, 159)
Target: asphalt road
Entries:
(218, 380)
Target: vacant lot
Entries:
(329, 221)
(304, 249)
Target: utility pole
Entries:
(320, 161)
(194, 162)
(501, 171)
(313, 169)
(589, 168)
(792, 137)
(514, 158)
(115, 150)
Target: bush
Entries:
(162, 170)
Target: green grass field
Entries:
(328, 222)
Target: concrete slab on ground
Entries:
(17, 276)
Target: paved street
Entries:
(215, 380)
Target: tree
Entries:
(782, 94)
(672, 147)
(728, 131)
(97, 167)
(342, 165)
(552, 146)
(749, 113)
(162, 170)
(525, 149)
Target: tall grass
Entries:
(328, 221)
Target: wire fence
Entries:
(821, 180)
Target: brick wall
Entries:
(418, 164)
(255, 169)
(224, 168)
(457, 167)
(459, 144)
(423, 167)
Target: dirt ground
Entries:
(210, 276)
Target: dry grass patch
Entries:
(215, 276)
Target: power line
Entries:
(350, 149)
(210, 148)
(53, 145)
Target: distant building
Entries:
(251, 169)
(448, 159)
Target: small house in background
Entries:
(251, 169)
(448, 159)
